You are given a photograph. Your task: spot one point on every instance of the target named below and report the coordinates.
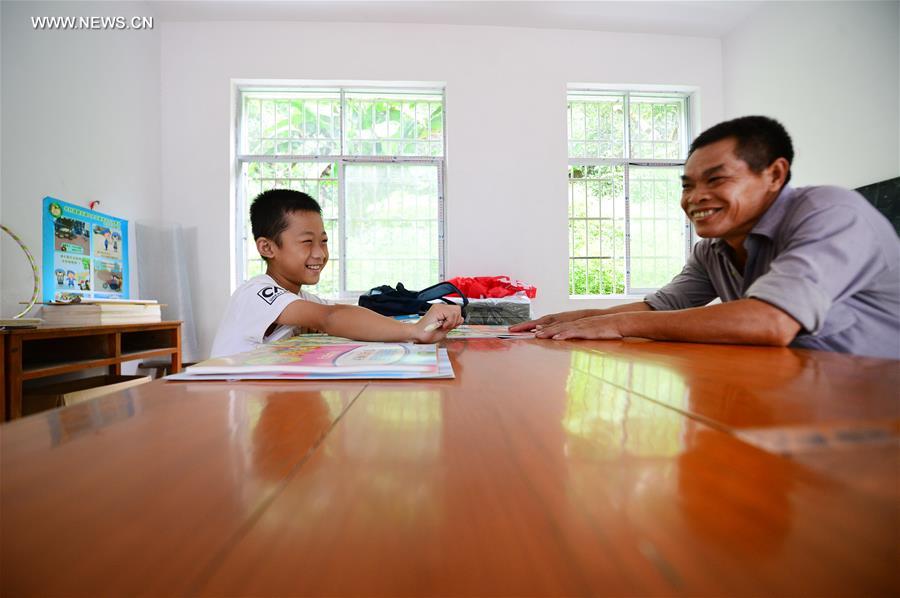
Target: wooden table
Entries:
(544, 468)
(34, 353)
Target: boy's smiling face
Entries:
(301, 253)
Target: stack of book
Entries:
(20, 322)
(100, 312)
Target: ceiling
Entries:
(712, 18)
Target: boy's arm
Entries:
(358, 323)
(746, 321)
(571, 316)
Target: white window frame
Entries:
(239, 203)
(626, 162)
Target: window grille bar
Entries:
(441, 223)
(343, 114)
(342, 225)
(627, 189)
(394, 258)
(622, 161)
(334, 158)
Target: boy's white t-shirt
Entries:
(253, 307)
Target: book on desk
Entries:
(317, 357)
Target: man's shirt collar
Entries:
(767, 226)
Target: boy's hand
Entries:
(549, 320)
(436, 323)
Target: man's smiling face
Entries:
(722, 196)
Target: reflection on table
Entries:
(543, 468)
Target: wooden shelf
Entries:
(135, 355)
(30, 354)
(34, 371)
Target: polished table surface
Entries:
(544, 468)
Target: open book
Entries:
(305, 358)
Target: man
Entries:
(813, 267)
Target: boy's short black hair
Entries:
(760, 141)
(269, 208)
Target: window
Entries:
(627, 232)
(374, 160)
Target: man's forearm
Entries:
(638, 306)
(747, 321)
(618, 309)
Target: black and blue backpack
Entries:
(400, 301)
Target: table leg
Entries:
(176, 356)
(113, 346)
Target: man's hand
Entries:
(549, 320)
(436, 323)
(596, 327)
(741, 322)
(578, 314)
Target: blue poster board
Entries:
(85, 253)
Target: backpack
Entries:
(389, 301)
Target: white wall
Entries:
(506, 104)
(80, 122)
(830, 72)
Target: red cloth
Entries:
(492, 287)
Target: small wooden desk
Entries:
(32, 353)
(544, 468)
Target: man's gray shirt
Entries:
(823, 255)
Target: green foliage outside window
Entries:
(385, 127)
(373, 126)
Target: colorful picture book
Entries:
(305, 358)
(324, 357)
(444, 371)
(85, 253)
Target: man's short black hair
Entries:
(269, 210)
(760, 141)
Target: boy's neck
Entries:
(283, 282)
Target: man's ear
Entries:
(264, 246)
(778, 171)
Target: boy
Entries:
(291, 238)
